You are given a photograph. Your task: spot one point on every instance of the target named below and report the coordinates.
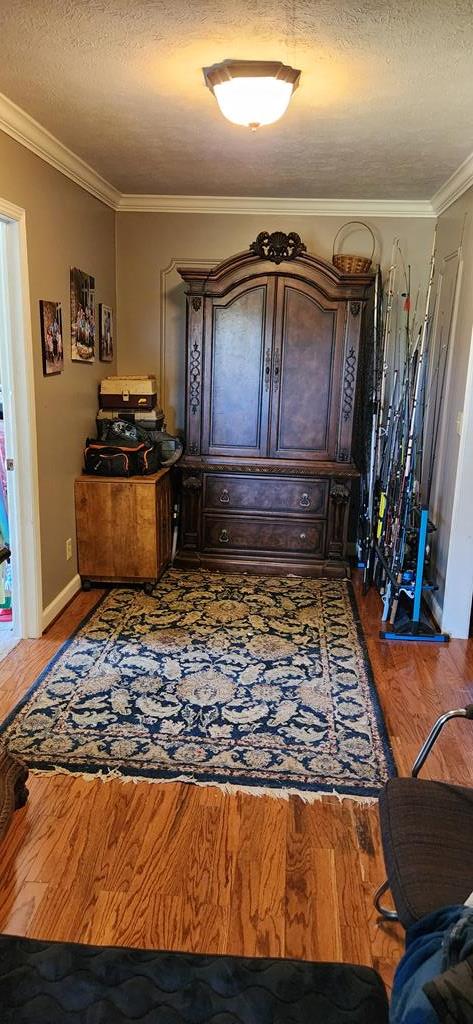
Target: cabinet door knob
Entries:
(304, 500)
(224, 497)
(302, 536)
(224, 538)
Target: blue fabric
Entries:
(436, 942)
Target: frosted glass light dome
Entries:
(252, 93)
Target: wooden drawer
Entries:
(302, 496)
(245, 534)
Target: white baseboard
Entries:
(55, 608)
(435, 608)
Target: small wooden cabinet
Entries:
(124, 527)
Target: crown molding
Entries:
(16, 123)
(29, 133)
(457, 184)
(261, 205)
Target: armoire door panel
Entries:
(305, 364)
(239, 371)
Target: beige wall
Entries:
(151, 301)
(65, 227)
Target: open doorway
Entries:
(20, 574)
(7, 617)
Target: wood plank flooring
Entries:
(183, 867)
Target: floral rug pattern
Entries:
(215, 678)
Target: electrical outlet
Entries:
(68, 548)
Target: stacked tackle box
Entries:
(133, 399)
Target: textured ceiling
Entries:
(384, 109)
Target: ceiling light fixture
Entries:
(252, 92)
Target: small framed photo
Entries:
(51, 337)
(82, 316)
(105, 333)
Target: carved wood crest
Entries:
(339, 492)
(193, 482)
(278, 246)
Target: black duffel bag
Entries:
(124, 458)
(119, 431)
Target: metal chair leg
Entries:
(389, 915)
(436, 729)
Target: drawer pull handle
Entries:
(304, 500)
(302, 536)
(224, 497)
(224, 538)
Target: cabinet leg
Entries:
(148, 588)
(86, 585)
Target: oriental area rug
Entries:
(241, 681)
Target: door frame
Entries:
(456, 612)
(20, 420)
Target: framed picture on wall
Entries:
(105, 333)
(51, 337)
(82, 316)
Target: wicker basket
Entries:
(352, 264)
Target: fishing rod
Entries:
(374, 404)
(388, 432)
(397, 360)
(404, 410)
(420, 364)
(385, 350)
(394, 463)
(408, 482)
(367, 526)
(437, 415)
(379, 502)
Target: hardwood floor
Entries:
(185, 867)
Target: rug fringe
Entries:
(228, 788)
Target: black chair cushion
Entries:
(427, 833)
(64, 983)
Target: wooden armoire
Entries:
(273, 339)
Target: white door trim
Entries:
(20, 419)
(459, 575)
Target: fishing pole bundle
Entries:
(398, 385)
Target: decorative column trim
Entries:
(165, 279)
(349, 376)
